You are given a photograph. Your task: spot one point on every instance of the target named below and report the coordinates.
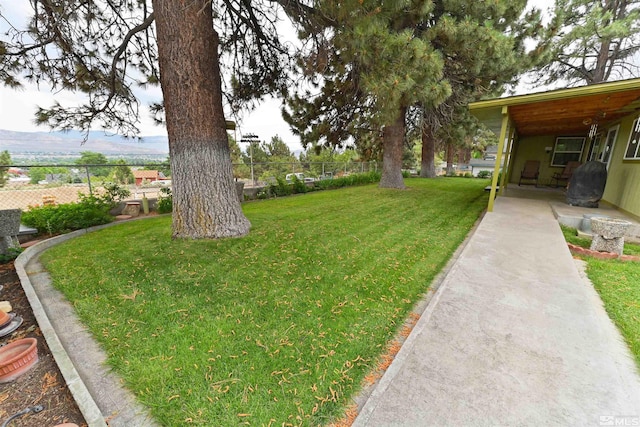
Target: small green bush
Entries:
(280, 188)
(348, 181)
(299, 186)
(165, 201)
(406, 174)
(485, 174)
(10, 255)
(263, 194)
(89, 211)
(113, 193)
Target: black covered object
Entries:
(587, 185)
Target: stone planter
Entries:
(585, 225)
(9, 229)
(608, 234)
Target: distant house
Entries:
(600, 122)
(144, 176)
(479, 165)
(17, 172)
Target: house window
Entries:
(634, 141)
(567, 149)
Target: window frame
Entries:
(564, 152)
(635, 131)
(609, 145)
(594, 149)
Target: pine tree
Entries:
(390, 57)
(373, 69)
(482, 44)
(105, 48)
(590, 42)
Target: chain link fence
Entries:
(37, 185)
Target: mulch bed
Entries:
(43, 384)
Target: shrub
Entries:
(299, 186)
(54, 219)
(113, 194)
(406, 174)
(280, 188)
(165, 201)
(263, 194)
(485, 174)
(347, 181)
(11, 254)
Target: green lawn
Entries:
(277, 328)
(618, 283)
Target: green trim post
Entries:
(506, 170)
(496, 167)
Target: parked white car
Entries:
(300, 176)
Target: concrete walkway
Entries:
(513, 336)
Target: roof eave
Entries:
(574, 92)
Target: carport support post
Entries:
(496, 167)
(506, 171)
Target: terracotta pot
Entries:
(17, 357)
(5, 318)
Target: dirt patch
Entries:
(43, 384)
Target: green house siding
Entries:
(623, 181)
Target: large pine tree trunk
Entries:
(392, 140)
(427, 163)
(205, 202)
(450, 158)
(600, 72)
(602, 68)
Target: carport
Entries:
(523, 122)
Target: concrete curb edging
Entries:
(92, 414)
(98, 392)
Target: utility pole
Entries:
(251, 138)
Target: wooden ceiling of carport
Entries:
(558, 112)
(573, 116)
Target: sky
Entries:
(17, 107)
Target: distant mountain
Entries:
(71, 142)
